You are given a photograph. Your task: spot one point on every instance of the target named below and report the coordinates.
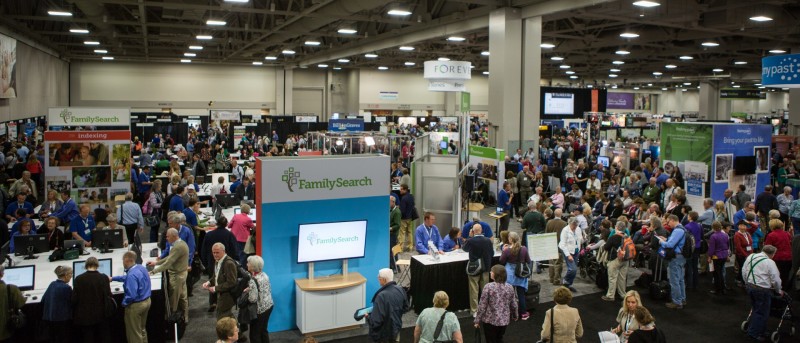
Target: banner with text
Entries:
(342, 125)
(619, 101)
(87, 116)
(732, 141)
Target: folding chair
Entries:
(406, 263)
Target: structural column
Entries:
(531, 84)
(794, 111)
(505, 76)
(709, 100)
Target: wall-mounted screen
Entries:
(559, 103)
(571, 103)
(331, 241)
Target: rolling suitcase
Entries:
(532, 295)
(659, 288)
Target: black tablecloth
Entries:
(449, 277)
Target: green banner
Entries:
(686, 142)
(483, 152)
(465, 102)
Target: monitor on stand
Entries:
(30, 245)
(107, 240)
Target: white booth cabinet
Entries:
(329, 303)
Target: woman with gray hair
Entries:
(113, 225)
(57, 306)
(784, 204)
(428, 322)
(259, 292)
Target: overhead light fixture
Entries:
(709, 44)
(370, 55)
(670, 66)
(399, 12)
(687, 83)
(443, 59)
(80, 31)
(569, 72)
(762, 87)
(339, 142)
(257, 63)
(101, 51)
(547, 45)
(623, 52)
(189, 54)
(686, 58)
(456, 39)
(409, 64)
(618, 62)
(214, 22)
(663, 89)
(613, 75)
(322, 65)
(204, 37)
(59, 13)
(186, 60)
(337, 68)
(195, 47)
(614, 70)
(573, 77)
(757, 84)
(288, 52)
(484, 53)
(658, 73)
(564, 66)
(629, 35)
(383, 68)
(739, 62)
(347, 31)
(777, 51)
(108, 58)
(271, 58)
(238, 1)
(649, 85)
(760, 18)
(614, 87)
(684, 90)
(343, 60)
(313, 42)
(89, 42)
(406, 48)
(636, 88)
(736, 86)
(717, 70)
(646, 4)
(471, 67)
(557, 58)
(589, 86)
(486, 73)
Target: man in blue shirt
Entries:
(675, 271)
(504, 200)
(428, 232)
(12, 208)
(68, 211)
(467, 228)
(83, 225)
(235, 183)
(707, 216)
(22, 152)
(136, 302)
(176, 203)
(191, 215)
(129, 215)
(144, 181)
(145, 159)
(175, 221)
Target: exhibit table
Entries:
(329, 302)
(448, 274)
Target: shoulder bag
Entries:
(438, 331)
(552, 327)
(522, 270)
(248, 311)
(475, 267)
(16, 319)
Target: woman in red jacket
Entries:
(743, 247)
(781, 240)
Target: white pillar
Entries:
(709, 100)
(505, 78)
(531, 83)
(794, 111)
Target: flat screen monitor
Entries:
(559, 104)
(743, 165)
(73, 243)
(110, 239)
(603, 160)
(226, 200)
(22, 277)
(79, 267)
(252, 214)
(23, 244)
(331, 241)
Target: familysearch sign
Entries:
(87, 116)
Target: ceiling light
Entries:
(443, 59)
(736, 86)
(337, 68)
(484, 53)
(569, 72)
(547, 45)
(647, 4)
(407, 48)
(777, 51)
(410, 64)
(81, 31)
(614, 87)
(108, 58)
(709, 44)
(399, 12)
(670, 66)
(383, 68)
(629, 35)
(347, 31)
(343, 60)
(486, 73)
(760, 18)
(613, 75)
(313, 42)
(614, 70)
(618, 62)
(213, 22)
(623, 52)
(573, 77)
(649, 85)
(288, 52)
(740, 62)
(204, 37)
(636, 88)
(189, 54)
(589, 86)
(237, 1)
(456, 39)
(370, 55)
(684, 90)
(557, 58)
(762, 87)
(686, 58)
(195, 47)
(322, 65)
(687, 83)
(564, 66)
(471, 67)
(717, 70)
(658, 73)
(89, 42)
(59, 13)
(257, 63)
(757, 84)
(186, 61)
(663, 89)
(101, 51)
(271, 58)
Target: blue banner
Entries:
(342, 125)
(694, 187)
(740, 140)
(781, 71)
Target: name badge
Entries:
(87, 231)
(749, 248)
(245, 198)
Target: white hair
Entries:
(386, 274)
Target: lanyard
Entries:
(628, 322)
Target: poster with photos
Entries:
(762, 158)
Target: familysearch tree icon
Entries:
(290, 177)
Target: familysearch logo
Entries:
(66, 115)
(312, 237)
(290, 177)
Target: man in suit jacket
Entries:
(246, 192)
(199, 167)
(177, 266)
(223, 281)
(478, 247)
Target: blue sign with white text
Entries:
(342, 125)
(781, 71)
(694, 187)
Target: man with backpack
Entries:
(620, 246)
(679, 244)
(223, 281)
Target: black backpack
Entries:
(242, 281)
(688, 244)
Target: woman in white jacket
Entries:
(571, 241)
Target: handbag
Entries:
(552, 327)
(478, 336)
(16, 319)
(475, 267)
(438, 331)
(523, 270)
(152, 221)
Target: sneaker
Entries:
(525, 316)
(607, 298)
(572, 289)
(673, 306)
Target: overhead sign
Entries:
(85, 116)
(342, 125)
(619, 101)
(447, 86)
(305, 119)
(389, 95)
(781, 71)
(447, 76)
(225, 115)
(738, 93)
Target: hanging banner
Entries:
(465, 102)
(305, 119)
(388, 95)
(8, 67)
(447, 76)
(737, 93)
(781, 71)
(225, 115)
(238, 134)
(85, 116)
(342, 125)
(619, 101)
(447, 86)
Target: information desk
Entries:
(448, 274)
(45, 275)
(329, 302)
